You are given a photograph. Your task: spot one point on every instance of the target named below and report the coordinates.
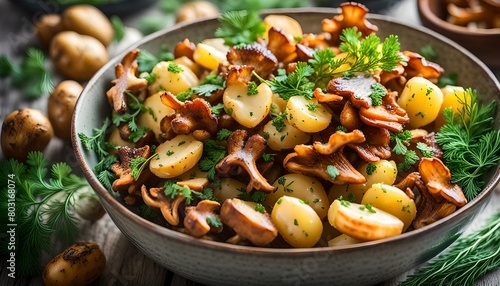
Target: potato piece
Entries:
(342, 240)
(306, 188)
(287, 138)
(229, 189)
(279, 104)
(47, 27)
(90, 21)
(159, 109)
(196, 10)
(172, 77)
(192, 173)
(248, 110)
(453, 96)
(23, 131)
(79, 264)
(362, 222)
(391, 200)
(77, 56)
(383, 171)
(286, 23)
(187, 62)
(176, 156)
(115, 139)
(307, 115)
(208, 56)
(422, 101)
(297, 222)
(60, 106)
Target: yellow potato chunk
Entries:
(229, 188)
(342, 240)
(363, 222)
(116, 140)
(176, 156)
(422, 101)
(287, 138)
(392, 200)
(306, 188)
(382, 171)
(286, 23)
(297, 222)
(172, 77)
(307, 115)
(248, 110)
(208, 56)
(453, 96)
(160, 110)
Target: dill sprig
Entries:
(44, 204)
(468, 259)
(470, 145)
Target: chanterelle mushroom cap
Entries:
(314, 160)
(245, 155)
(126, 80)
(247, 222)
(156, 198)
(196, 219)
(255, 55)
(122, 168)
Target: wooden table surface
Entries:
(126, 265)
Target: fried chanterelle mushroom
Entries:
(201, 219)
(155, 198)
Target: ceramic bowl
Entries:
(217, 263)
(483, 43)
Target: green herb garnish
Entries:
(240, 27)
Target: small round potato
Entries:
(76, 56)
(90, 21)
(47, 27)
(79, 264)
(196, 10)
(23, 131)
(60, 107)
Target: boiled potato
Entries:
(248, 110)
(297, 222)
(342, 240)
(79, 264)
(286, 23)
(422, 101)
(23, 131)
(307, 115)
(208, 56)
(391, 200)
(192, 173)
(116, 140)
(176, 156)
(383, 171)
(306, 188)
(60, 106)
(453, 96)
(90, 21)
(363, 222)
(229, 189)
(172, 77)
(160, 110)
(287, 138)
(76, 56)
(278, 105)
(196, 10)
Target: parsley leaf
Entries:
(252, 88)
(212, 155)
(210, 84)
(240, 27)
(278, 121)
(410, 157)
(425, 150)
(377, 94)
(428, 52)
(370, 168)
(146, 61)
(135, 108)
(256, 196)
(293, 84)
(139, 163)
(216, 109)
(223, 134)
(332, 171)
(118, 27)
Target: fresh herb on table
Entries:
(470, 145)
(32, 77)
(44, 202)
(118, 27)
(468, 259)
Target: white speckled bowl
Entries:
(224, 264)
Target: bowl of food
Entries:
(260, 157)
(475, 25)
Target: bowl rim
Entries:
(426, 13)
(104, 194)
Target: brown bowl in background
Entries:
(483, 43)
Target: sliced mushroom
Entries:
(197, 218)
(245, 154)
(247, 222)
(418, 65)
(123, 170)
(282, 45)
(126, 80)
(376, 145)
(189, 116)
(256, 56)
(169, 208)
(437, 179)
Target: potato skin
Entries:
(23, 131)
(60, 106)
(47, 27)
(76, 56)
(88, 20)
(79, 264)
